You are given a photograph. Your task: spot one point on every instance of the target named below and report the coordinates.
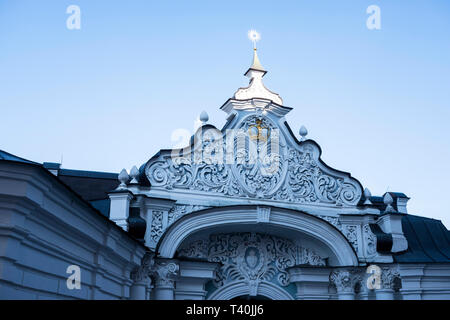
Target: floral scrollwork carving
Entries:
(165, 272)
(257, 169)
(345, 280)
(157, 228)
(142, 272)
(370, 241)
(389, 277)
(351, 233)
(252, 257)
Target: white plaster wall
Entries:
(425, 281)
(44, 228)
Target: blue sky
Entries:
(110, 95)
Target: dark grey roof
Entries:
(92, 186)
(88, 174)
(52, 165)
(10, 157)
(89, 185)
(428, 241)
(102, 206)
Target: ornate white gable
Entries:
(255, 159)
(251, 208)
(255, 156)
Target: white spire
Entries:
(254, 36)
(256, 88)
(256, 64)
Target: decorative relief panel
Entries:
(259, 165)
(367, 246)
(390, 277)
(282, 172)
(345, 280)
(179, 211)
(307, 182)
(370, 241)
(351, 233)
(158, 226)
(252, 257)
(333, 221)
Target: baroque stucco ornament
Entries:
(251, 257)
(143, 272)
(158, 227)
(389, 277)
(283, 172)
(165, 272)
(345, 280)
(258, 171)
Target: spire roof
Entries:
(256, 88)
(256, 65)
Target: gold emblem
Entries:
(258, 131)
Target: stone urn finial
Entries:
(123, 178)
(134, 173)
(303, 132)
(204, 117)
(388, 201)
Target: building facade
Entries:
(246, 212)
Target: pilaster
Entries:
(192, 279)
(120, 207)
(141, 278)
(411, 275)
(312, 282)
(388, 277)
(157, 217)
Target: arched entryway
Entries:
(280, 220)
(253, 248)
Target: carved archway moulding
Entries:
(241, 288)
(302, 223)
